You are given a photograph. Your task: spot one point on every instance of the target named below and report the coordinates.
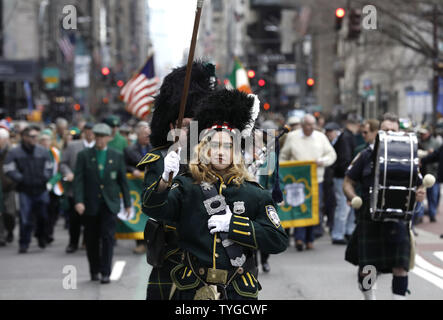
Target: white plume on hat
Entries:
(254, 114)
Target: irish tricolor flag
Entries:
(238, 79)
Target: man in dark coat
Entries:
(99, 178)
(344, 146)
(29, 165)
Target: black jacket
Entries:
(30, 168)
(436, 156)
(133, 155)
(344, 147)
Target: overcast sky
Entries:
(171, 23)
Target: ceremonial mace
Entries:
(188, 74)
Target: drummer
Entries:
(375, 245)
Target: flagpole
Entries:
(188, 72)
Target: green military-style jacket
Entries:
(160, 282)
(90, 189)
(254, 224)
(119, 143)
(153, 165)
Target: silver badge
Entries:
(273, 215)
(239, 207)
(238, 262)
(218, 201)
(206, 185)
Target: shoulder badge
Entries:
(148, 158)
(273, 215)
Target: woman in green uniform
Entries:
(222, 215)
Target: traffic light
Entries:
(251, 74)
(105, 71)
(339, 15)
(261, 82)
(310, 82)
(354, 25)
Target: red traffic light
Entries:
(261, 82)
(251, 74)
(105, 71)
(340, 13)
(77, 107)
(120, 83)
(310, 82)
(266, 106)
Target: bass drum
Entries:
(396, 176)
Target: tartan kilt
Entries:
(160, 282)
(385, 245)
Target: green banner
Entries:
(132, 227)
(300, 192)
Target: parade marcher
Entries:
(384, 245)
(344, 145)
(165, 115)
(61, 128)
(118, 142)
(307, 144)
(54, 185)
(429, 144)
(30, 166)
(67, 167)
(218, 242)
(99, 178)
(133, 154)
(369, 133)
(7, 221)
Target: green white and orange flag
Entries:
(238, 78)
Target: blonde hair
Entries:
(202, 170)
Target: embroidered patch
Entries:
(239, 207)
(273, 215)
(148, 158)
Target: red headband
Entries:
(225, 125)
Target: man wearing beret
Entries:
(99, 179)
(118, 142)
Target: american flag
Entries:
(67, 48)
(139, 91)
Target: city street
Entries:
(321, 274)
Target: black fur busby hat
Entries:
(230, 109)
(167, 102)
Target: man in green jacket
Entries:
(100, 177)
(118, 142)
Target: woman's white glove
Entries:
(220, 222)
(171, 164)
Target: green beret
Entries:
(112, 121)
(46, 132)
(74, 131)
